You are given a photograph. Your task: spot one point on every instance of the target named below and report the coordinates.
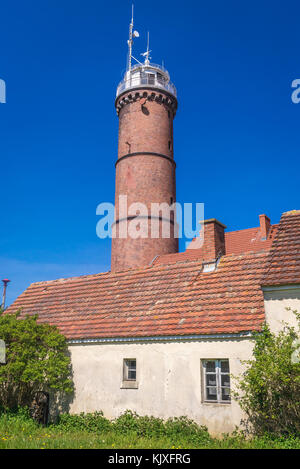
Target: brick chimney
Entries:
(214, 239)
(265, 225)
(210, 244)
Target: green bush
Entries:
(184, 427)
(131, 423)
(141, 425)
(149, 426)
(36, 360)
(17, 419)
(269, 389)
(127, 422)
(92, 422)
(18, 430)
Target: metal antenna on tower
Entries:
(147, 53)
(132, 35)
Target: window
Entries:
(151, 78)
(216, 382)
(160, 78)
(129, 370)
(129, 374)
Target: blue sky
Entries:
(236, 133)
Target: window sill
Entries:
(129, 385)
(217, 403)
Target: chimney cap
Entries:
(265, 216)
(212, 220)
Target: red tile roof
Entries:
(284, 263)
(175, 298)
(162, 300)
(236, 242)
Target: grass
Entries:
(93, 431)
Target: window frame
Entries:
(218, 372)
(129, 383)
(128, 368)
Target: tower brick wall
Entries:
(145, 172)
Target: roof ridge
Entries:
(248, 229)
(60, 279)
(115, 274)
(291, 213)
(170, 266)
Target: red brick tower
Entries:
(145, 169)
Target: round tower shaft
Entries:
(146, 104)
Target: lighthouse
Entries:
(146, 104)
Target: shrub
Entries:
(178, 427)
(18, 430)
(16, 420)
(150, 426)
(175, 428)
(92, 422)
(269, 390)
(142, 425)
(131, 423)
(36, 360)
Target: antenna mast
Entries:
(130, 41)
(147, 53)
(147, 62)
(132, 35)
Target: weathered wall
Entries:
(277, 300)
(169, 379)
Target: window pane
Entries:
(211, 394)
(225, 366)
(225, 380)
(225, 394)
(210, 366)
(131, 374)
(211, 380)
(151, 78)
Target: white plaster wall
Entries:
(169, 379)
(276, 302)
